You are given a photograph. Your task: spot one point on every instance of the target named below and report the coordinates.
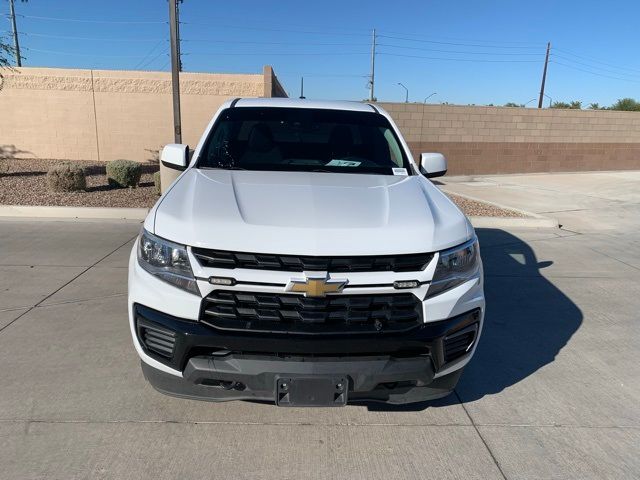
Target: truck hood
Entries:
(308, 213)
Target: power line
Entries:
(276, 53)
(55, 52)
(271, 43)
(595, 67)
(596, 61)
(32, 34)
(283, 30)
(142, 63)
(594, 73)
(81, 20)
(479, 60)
(354, 75)
(458, 39)
(458, 51)
(459, 44)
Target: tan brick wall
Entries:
(49, 113)
(479, 140)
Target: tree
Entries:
(513, 104)
(574, 105)
(596, 106)
(6, 53)
(626, 104)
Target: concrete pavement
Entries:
(584, 202)
(553, 392)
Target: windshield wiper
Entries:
(224, 168)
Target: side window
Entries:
(395, 151)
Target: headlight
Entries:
(166, 260)
(455, 266)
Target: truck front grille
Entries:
(295, 263)
(287, 313)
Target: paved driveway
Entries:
(554, 391)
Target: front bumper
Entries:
(218, 365)
(211, 364)
(238, 377)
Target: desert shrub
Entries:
(156, 183)
(66, 177)
(123, 173)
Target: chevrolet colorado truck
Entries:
(302, 257)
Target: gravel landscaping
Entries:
(23, 182)
(475, 208)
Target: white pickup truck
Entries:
(302, 257)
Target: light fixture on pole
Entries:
(429, 96)
(406, 93)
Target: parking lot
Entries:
(553, 392)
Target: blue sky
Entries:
(594, 44)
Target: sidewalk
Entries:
(582, 202)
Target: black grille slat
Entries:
(289, 313)
(157, 339)
(292, 263)
(456, 345)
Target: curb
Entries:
(72, 213)
(531, 220)
(513, 222)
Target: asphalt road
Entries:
(553, 392)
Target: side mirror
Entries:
(175, 156)
(433, 164)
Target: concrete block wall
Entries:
(105, 115)
(487, 140)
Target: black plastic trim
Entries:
(193, 337)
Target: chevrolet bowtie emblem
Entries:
(315, 286)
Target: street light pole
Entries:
(175, 70)
(406, 93)
(550, 99)
(429, 96)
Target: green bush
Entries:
(156, 183)
(123, 173)
(66, 177)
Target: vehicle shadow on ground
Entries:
(528, 321)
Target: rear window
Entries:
(300, 139)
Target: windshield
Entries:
(300, 139)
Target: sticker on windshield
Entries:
(400, 171)
(343, 163)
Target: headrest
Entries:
(340, 137)
(260, 138)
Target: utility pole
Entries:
(175, 69)
(178, 45)
(373, 67)
(16, 43)
(544, 75)
(302, 97)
